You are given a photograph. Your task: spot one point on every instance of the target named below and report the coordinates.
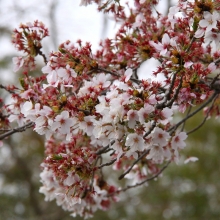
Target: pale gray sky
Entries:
(71, 22)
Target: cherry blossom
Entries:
(178, 141)
(171, 15)
(156, 153)
(63, 123)
(209, 21)
(162, 47)
(166, 114)
(26, 107)
(144, 113)
(96, 111)
(135, 143)
(132, 118)
(160, 137)
(212, 37)
(18, 63)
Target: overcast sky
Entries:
(70, 22)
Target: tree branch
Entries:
(168, 92)
(195, 112)
(204, 120)
(43, 55)
(151, 129)
(8, 90)
(175, 95)
(188, 112)
(115, 74)
(15, 130)
(102, 150)
(107, 164)
(144, 181)
(130, 168)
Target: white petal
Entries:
(166, 39)
(128, 74)
(191, 159)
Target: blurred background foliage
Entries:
(184, 192)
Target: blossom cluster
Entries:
(95, 111)
(28, 40)
(67, 177)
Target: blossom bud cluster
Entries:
(68, 176)
(28, 40)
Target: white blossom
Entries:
(178, 141)
(135, 142)
(209, 21)
(63, 123)
(160, 137)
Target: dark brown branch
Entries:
(107, 164)
(188, 112)
(80, 84)
(169, 104)
(168, 92)
(15, 130)
(8, 90)
(215, 84)
(144, 181)
(195, 112)
(204, 120)
(43, 55)
(102, 150)
(116, 74)
(92, 180)
(217, 61)
(108, 71)
(150, 130)
(190, 45)
(136, 161)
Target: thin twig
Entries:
(195, 112)
(168, 92)
(116, 74)
(15, 130)
(148, 179)
(107, 164)
(108, 71)
(204, 120)
(8, 90)
(102, 150)
(188, 112)
(144, 181)
(169, 104)
(217, 61)
(151, 129)
(190, 44)
(43, 55)
(92, 180)
(80, 84)
(214, 80)
(136, 161)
